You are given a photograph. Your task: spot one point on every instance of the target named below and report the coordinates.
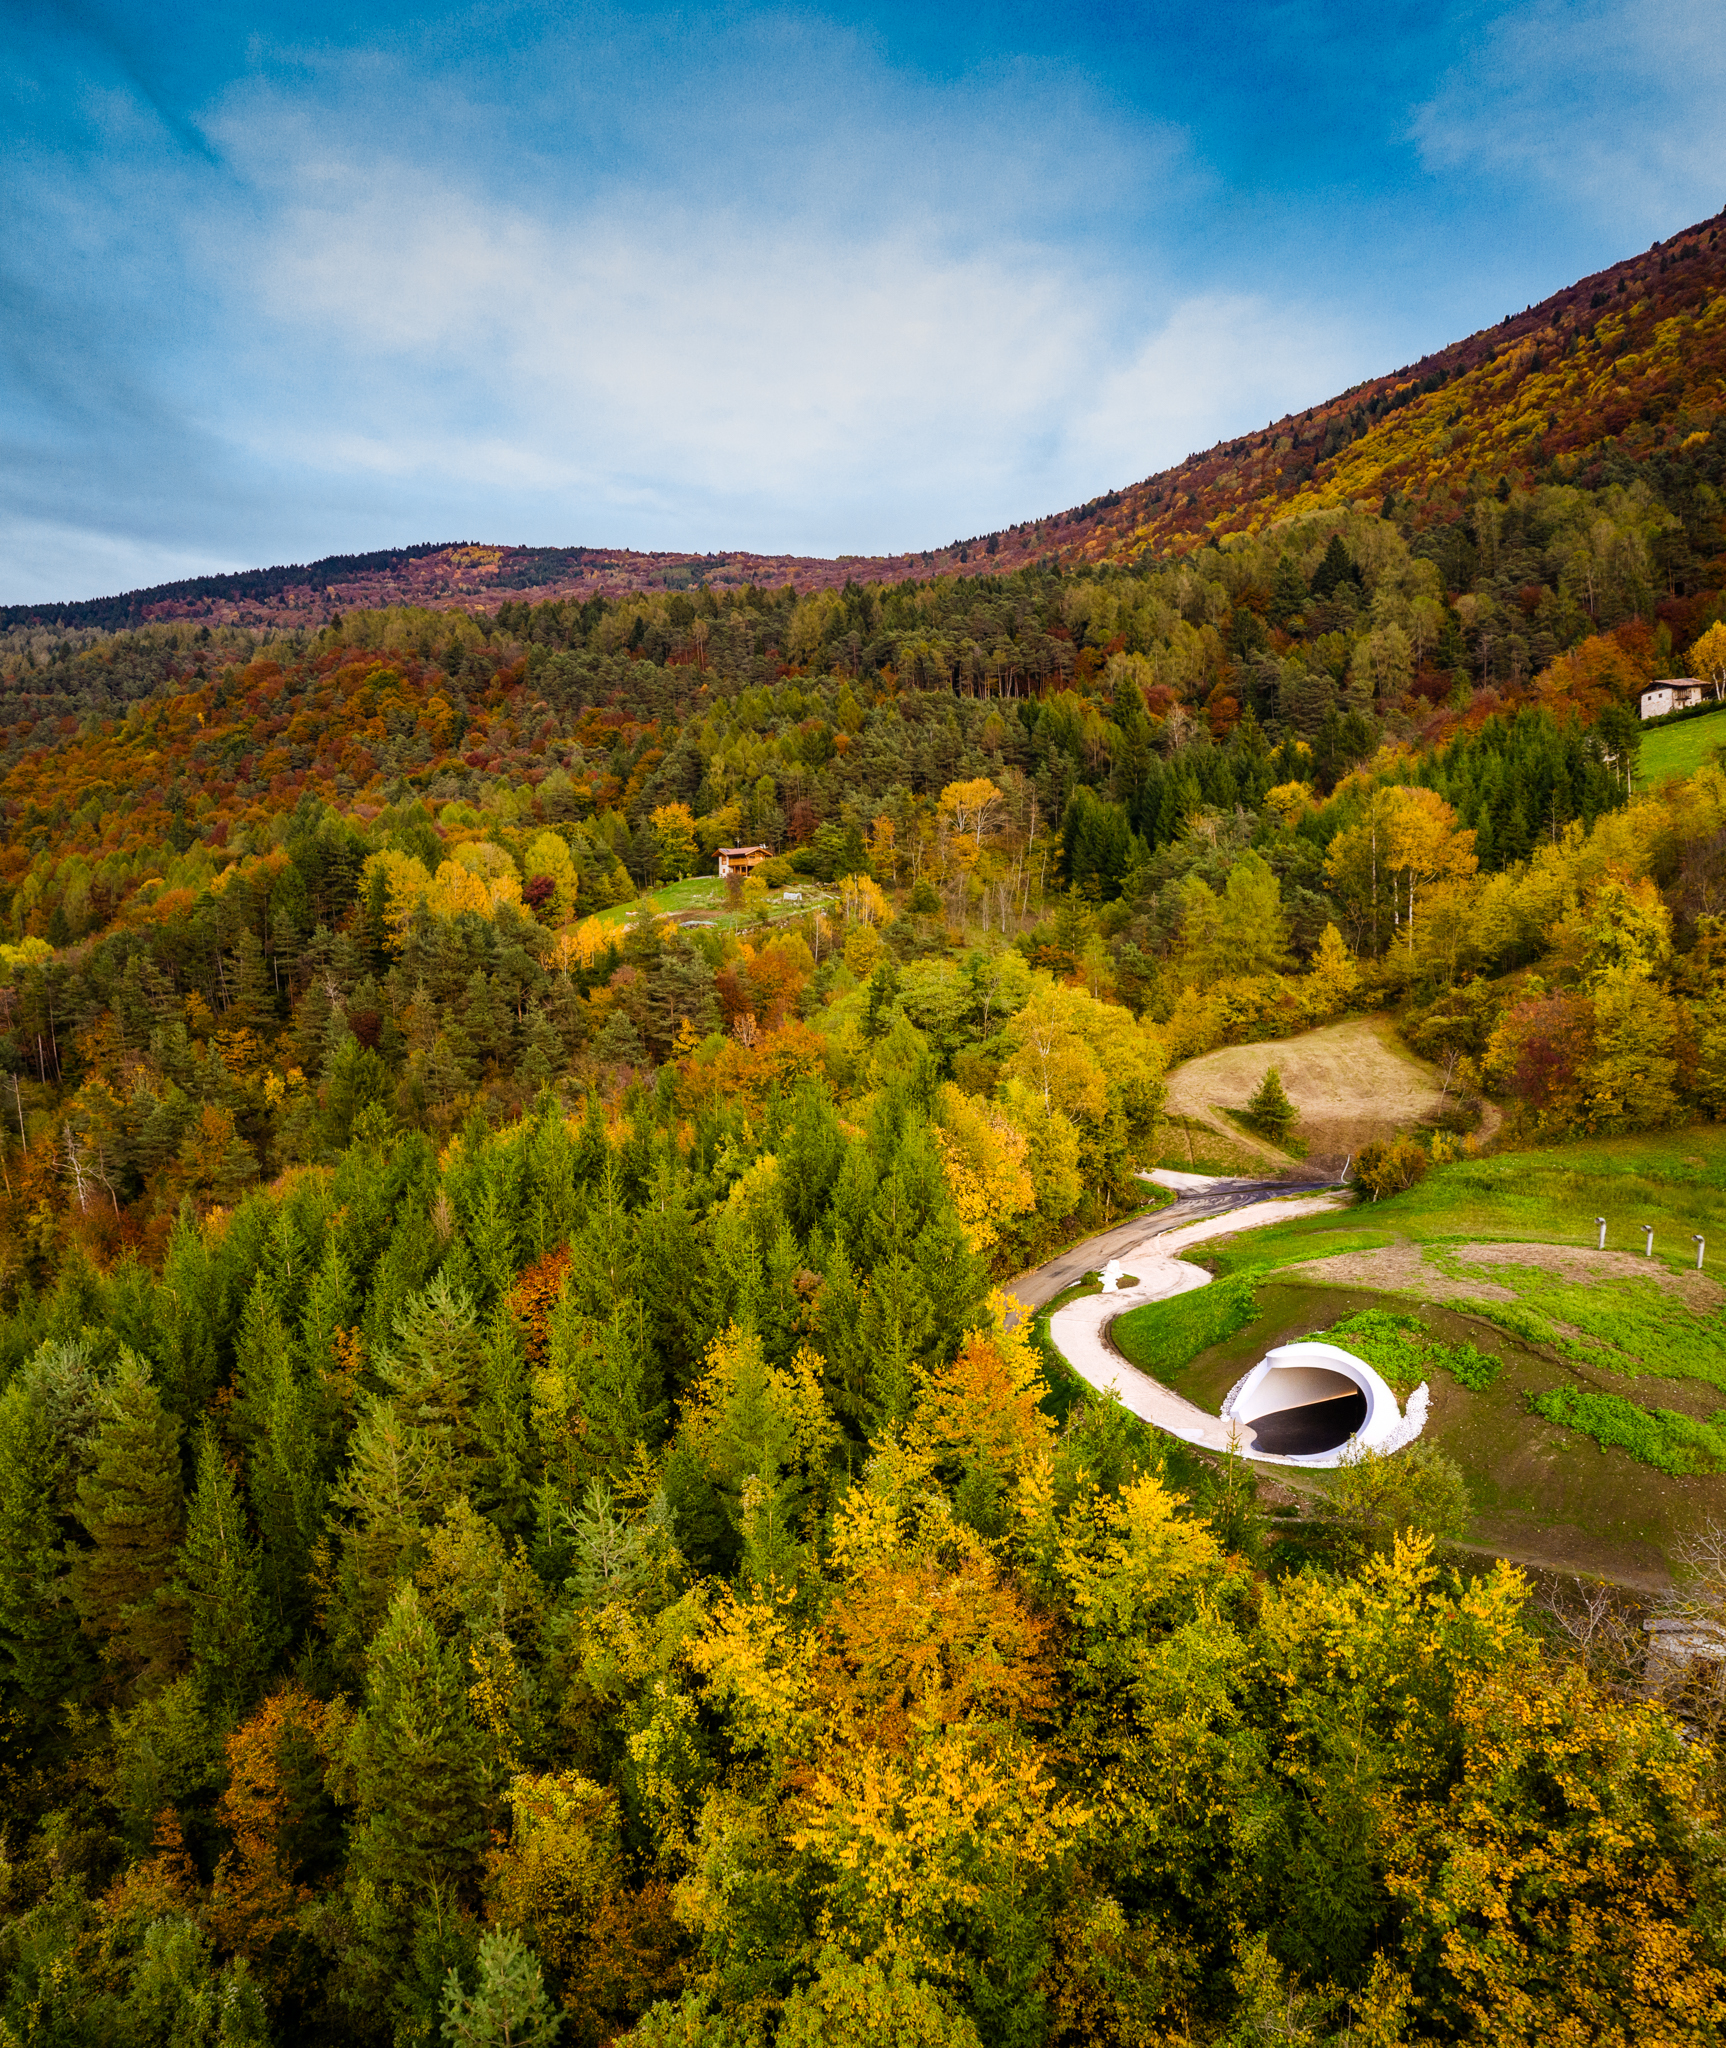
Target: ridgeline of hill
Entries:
(1617, 373)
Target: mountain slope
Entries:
(1625, 367)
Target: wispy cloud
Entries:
(696, 364)
(1616, 107)
(729, 276)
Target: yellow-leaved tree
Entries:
(548, 855)
(1093, 1065)
(983, 1158)
(1707, 659)
(1334, 979)
(673, 828)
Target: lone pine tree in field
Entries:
(1270, 1110)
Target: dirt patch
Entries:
(1393, 1269)
(1350, 1083)
(1422, 1270)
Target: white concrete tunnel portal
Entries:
(1309, 1401)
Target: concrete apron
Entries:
(1080, 1330)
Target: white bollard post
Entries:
(1648, 1248)
(1701, 1247)
(1601, 1220)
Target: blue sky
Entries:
(279, 282)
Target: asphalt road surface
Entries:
(1044, 1282)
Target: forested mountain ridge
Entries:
(1622, 369)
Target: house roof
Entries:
(1673, 683)
(745, 849)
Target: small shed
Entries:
(1676, 693)
(742, 860)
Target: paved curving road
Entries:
(1081, 1330)
(1214, 1198)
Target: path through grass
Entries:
(1675, 1180)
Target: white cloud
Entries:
(46, 562)
(1619, 105)
(723, 378)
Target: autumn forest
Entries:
(528, 1510)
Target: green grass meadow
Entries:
(706, 893)
(1677, 750)
(1674, 1180)
(1589, 1419)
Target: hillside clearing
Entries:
(1678, 750)
(1350, 1082)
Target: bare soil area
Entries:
(1421, 1270)
(1350, 1082)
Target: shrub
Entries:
(1419, 1487)
(1404, 1351)
(1387, 1168)
(1669, 1442)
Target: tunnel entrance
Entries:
(1304, 1432)
(1302, 1411)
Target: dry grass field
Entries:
(1350, 1082)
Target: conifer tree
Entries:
(508, 2007)
(44, 1414)
(132, 1509)
(280, 1413)
(597, 1377)
(190, 1299)
(220, 1578)
(1270, 1110)
(431, 1369)
(419, 1769)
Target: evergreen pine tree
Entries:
(382, 1494)
(44, 1415)
(508, 2007)
(281, 1416)
(489, 1226)
(1336, 569)
(131, 1505)
(605, 1374)
(1288, 590)
(251, 988)
(1270, 1110)
(220, 1579)
(431, 1369)
(419, 1768)
(501, 1423)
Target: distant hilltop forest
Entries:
(1617, 377)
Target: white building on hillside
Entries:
(1676, 693)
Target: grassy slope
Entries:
(1678, 750)
(1542, 1491)
(1676, 1181)
(706, 893)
